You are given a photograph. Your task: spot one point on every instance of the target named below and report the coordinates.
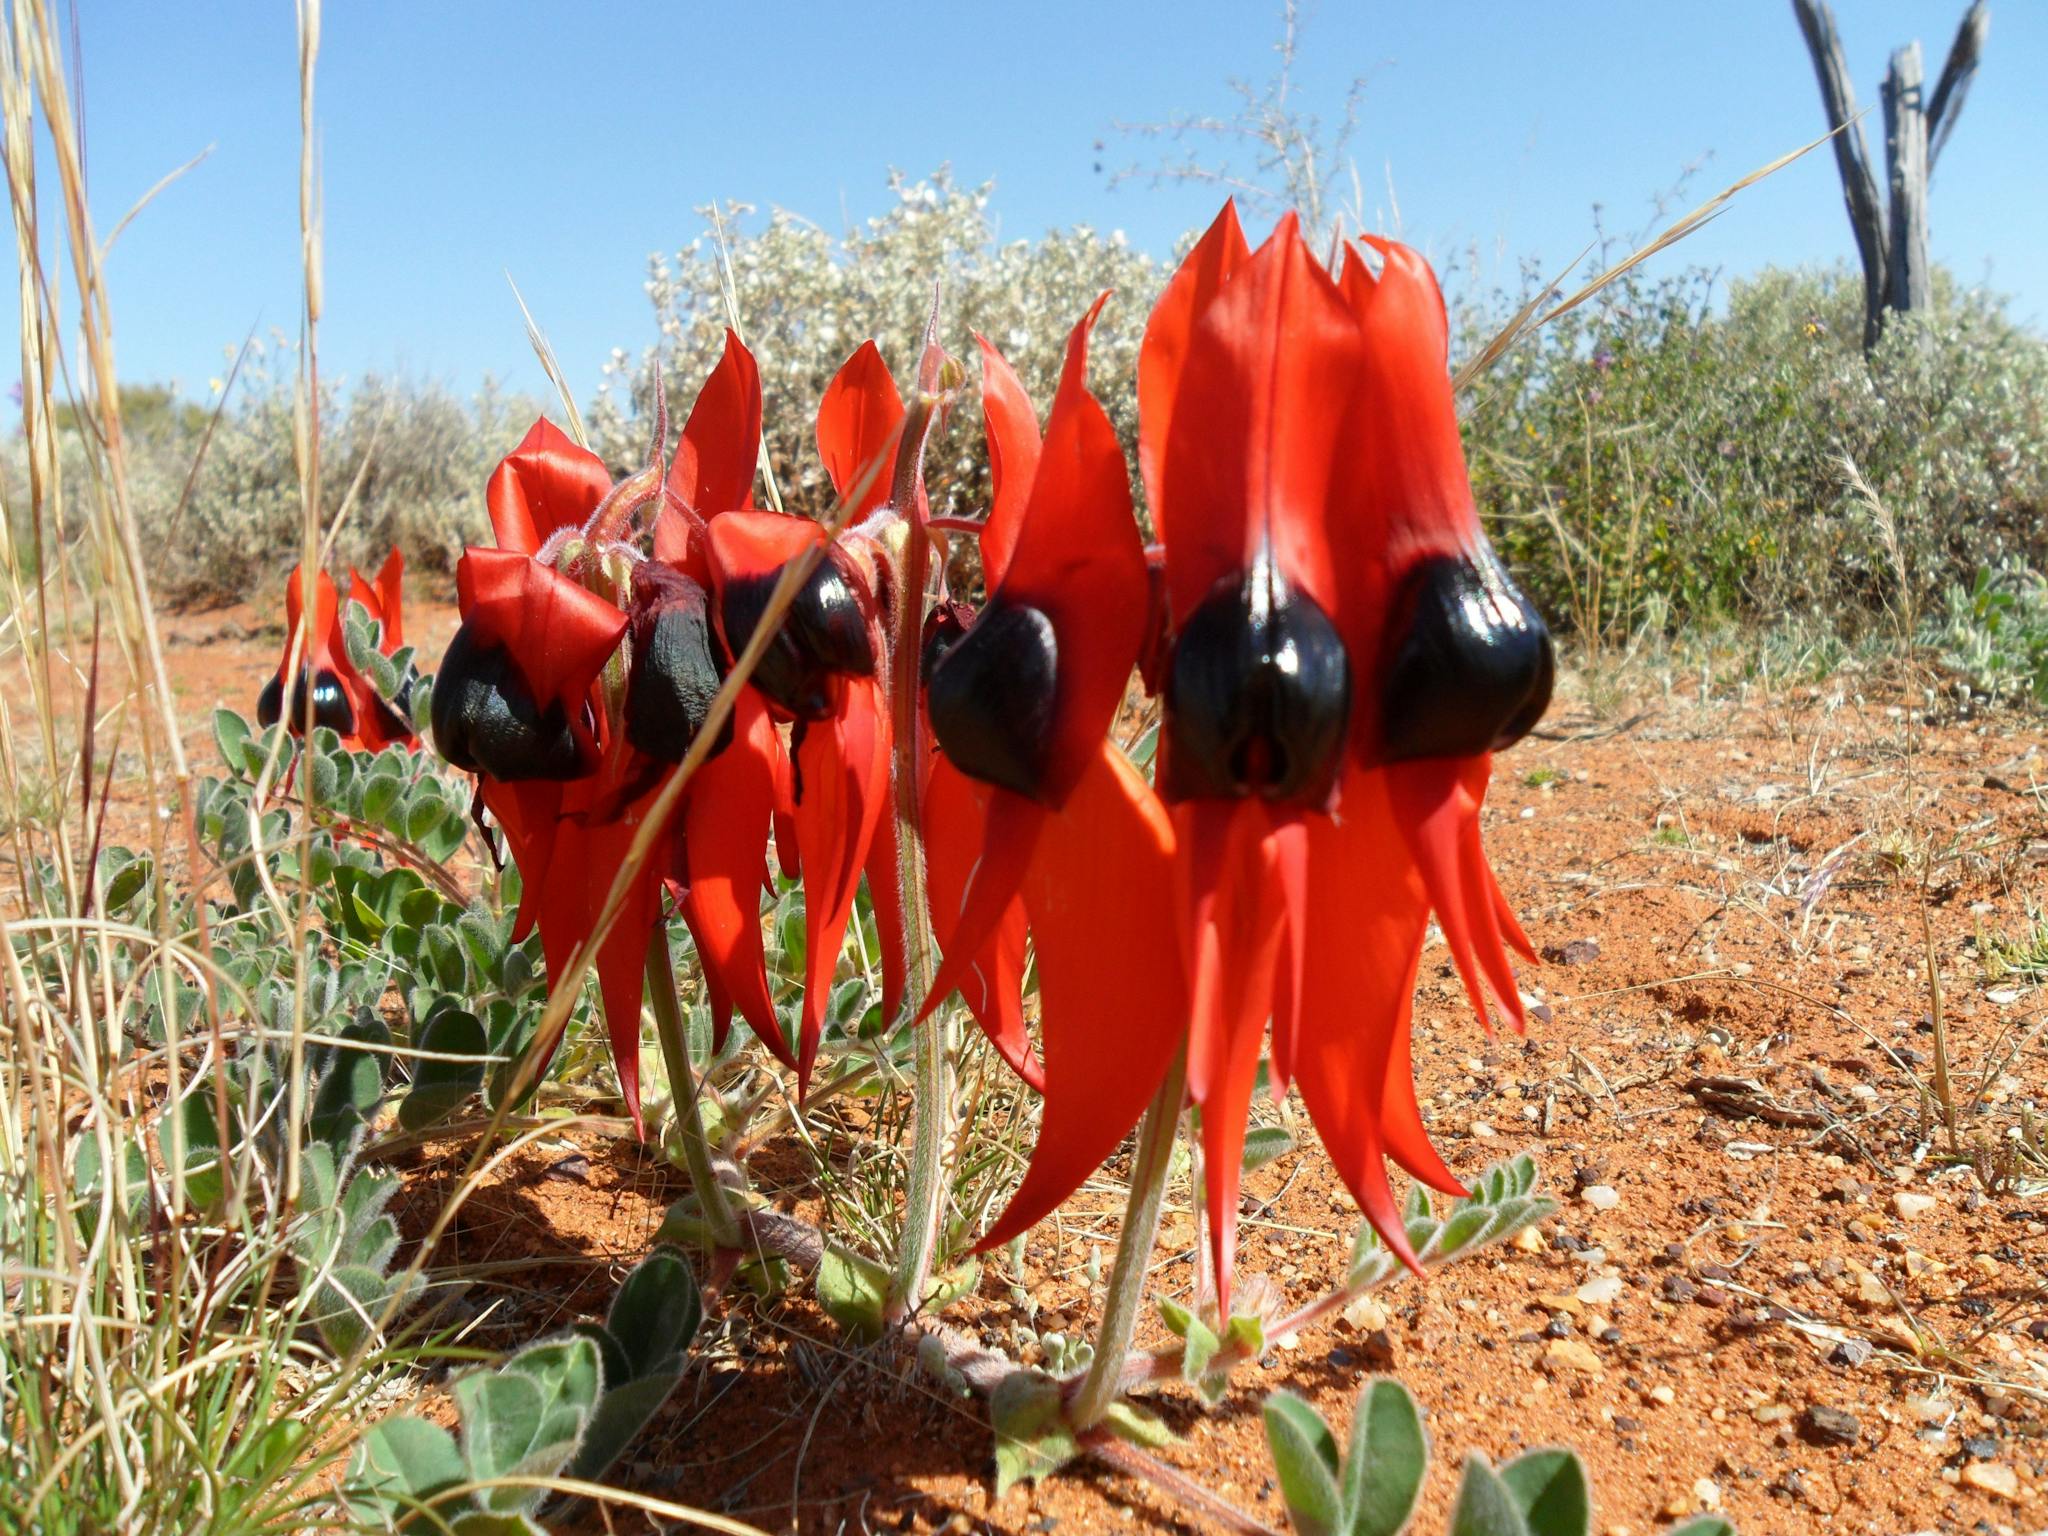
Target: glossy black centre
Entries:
(487, 721)
(991, 696)
(331, 707)
(1258, 696)
(1473, 667)
(824, 635)
(675, 672)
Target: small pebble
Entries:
(1830, 1426)
(1602, 1197)
(1910, 1207)
(1994, 1478)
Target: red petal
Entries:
(1258, 452)
(1409, 463)
(754, 546)
(1231, 894)
(858, 420)
(713, 470)
(1437, 801)
(1199, 278)
(885, 894)
(546, 483)
(843, 792)
(1367, 913)
(1080, 560)
(1110, 986)
(992, 981)
(1013, 449)
(585, 859)
(725, 829)
(559, 632)
(384, 600)
(967, 925)
(528, 813)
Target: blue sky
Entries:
(462, 140)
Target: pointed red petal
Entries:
(1438, 801)
(1114, 1005)
(1199, 278)
(1367, 912)
(713, 470)
(991, 981)
(559, 632)
(858, 420)
(1235, 919)
(584, 860)
(1258, 451)
(966, 928)
(725, 828)
(1013, 449)
(1080, 560)
(546, 483)
(843, 792)
(885, 894)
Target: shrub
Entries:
(1650, 456)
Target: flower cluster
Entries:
(341, 698)
(1335, 649)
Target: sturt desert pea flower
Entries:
(568, 729)
(1052, 816)
(1344, 653)
(822, 672)
(343, 700)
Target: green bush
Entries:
(1654, 457)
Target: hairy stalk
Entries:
(932, 1091)
(712, 1196)
(1099, 1390)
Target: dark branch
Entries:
(1964, 54)
(1852, 154)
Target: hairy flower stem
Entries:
(712, 1197)
(1104, 1382)
(932, 1090)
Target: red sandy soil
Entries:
(1727, 887)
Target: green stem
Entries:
(713, 1197)
(932, 1090)
(1120, 1308)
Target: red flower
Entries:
(568, 766)
(1339, 653)
(1345, 654)
(1031, 808)
(343, 699)
(822, 673)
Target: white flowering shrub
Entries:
(805, 299)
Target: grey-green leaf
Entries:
(1550, 1488)
(1485, 1507)
(1385, 1462)
(1305, 1458)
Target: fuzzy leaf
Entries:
(1706, 1525)
(231, 736)
(1263, 1143)
(438, 1086)
(399, 1465)
(1485, 1507)
(854, 1292)
(527, 1418)
(1177, 1317)
(1305, 1458)
(1550, 1488)
(1385, 1462)
(1033, 1438)
(657, 1311)
(1127, 1421)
